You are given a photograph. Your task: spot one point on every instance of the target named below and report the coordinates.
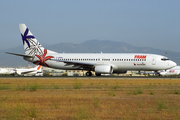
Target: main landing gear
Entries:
(89, 73)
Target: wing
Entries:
(26, 72)
(81, 65)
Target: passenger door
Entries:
(153, 60)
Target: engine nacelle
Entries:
(103, 69)
(18, 72)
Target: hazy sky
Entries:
(142, 23)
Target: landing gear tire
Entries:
(88, 74)
(98, 74)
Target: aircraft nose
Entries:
(173, 64)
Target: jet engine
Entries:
(103, 69)
(18, 72)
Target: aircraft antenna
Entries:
(166, 54)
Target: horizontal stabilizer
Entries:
(20, 55)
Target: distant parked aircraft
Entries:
(37, 71)
(101, 63)
(7, 70)
(173, 71)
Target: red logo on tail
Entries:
(42, 60)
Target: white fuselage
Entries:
(7, 70)
(30, 71)
(119, 61)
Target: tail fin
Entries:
(39, 67)
(35, 53)
(31, 46)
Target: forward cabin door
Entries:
(153, 60)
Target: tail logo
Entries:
(39, 67)
(25, 37)
(42, 59)
(31, 45)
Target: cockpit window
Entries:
(164, 59)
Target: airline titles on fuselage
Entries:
(140, 57)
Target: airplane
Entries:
(37, 71)
(7, 71)
(173, 71)
(100, 63)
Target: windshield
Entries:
(164, 59)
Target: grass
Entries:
(77, 85)
(5, 87)
(55, 103)
(116, 86)
(138, 91)
(96, 102)
(112, 93)
(20, 88)
(151, 93)
(34, 87)
(161, 105)
(176, 91)
(32, 112)
(82, 113)
(79, 99)
(56, 86)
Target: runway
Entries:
(92, 77)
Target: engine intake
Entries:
(103, 69)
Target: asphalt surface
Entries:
(91, 77)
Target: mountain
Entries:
(91, 46)
(97, 46)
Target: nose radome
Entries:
(173, 64)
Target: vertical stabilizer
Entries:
(35, 53)
(39, 67)
(31, 46)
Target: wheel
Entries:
(88, 74)
(98, 74)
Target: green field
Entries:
(89, 99)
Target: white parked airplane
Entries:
(7, 70)
(37, 71)
(173, 71)
(99, 63)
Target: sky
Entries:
(141, 23)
